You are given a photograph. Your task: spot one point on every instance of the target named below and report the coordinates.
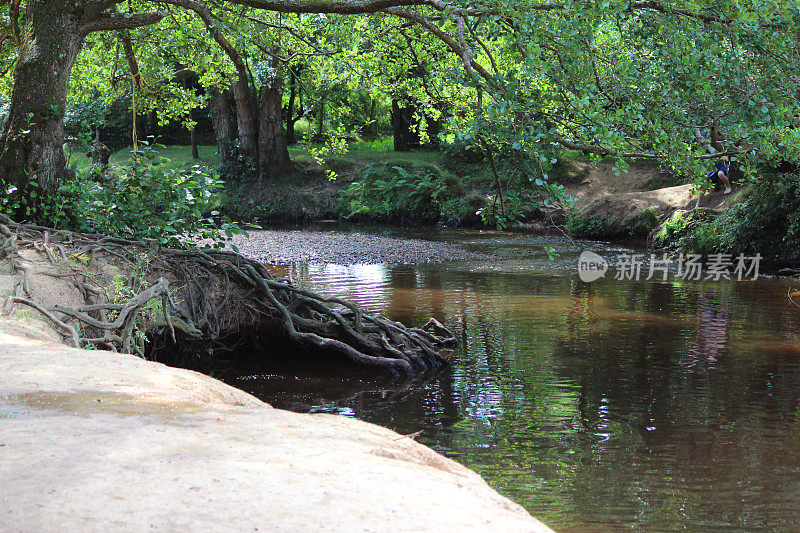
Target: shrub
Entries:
(590, 227)
(141, 201)
(461, 157)
(643, 223)
(516, 206)
(766, 220)
(698, 231)
(60, 210)
(464, 209)
(393, 193)
(173, 207)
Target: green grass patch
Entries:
(379, 150)
(180, 158)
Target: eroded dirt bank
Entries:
(630, 203)
(96, 441)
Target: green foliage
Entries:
(698, 231)
(590, 227)
(57, 210)
(464, 209)
(644, 222)
(507, 211)
(173, 207)
(393, 193)
(461, 157)
(766, 221)
(145, 199)
(604, 78)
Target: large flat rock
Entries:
(96, 441)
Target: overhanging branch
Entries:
(344, 7)
(208, 19)
(122, 21)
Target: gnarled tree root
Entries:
(207, 295)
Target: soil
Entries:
(619, 199)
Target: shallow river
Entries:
(614, 404)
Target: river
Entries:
(613, 404)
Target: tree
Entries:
(619, 78)
(51, 35)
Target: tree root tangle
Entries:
(203, 296)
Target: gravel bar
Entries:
(346, 248)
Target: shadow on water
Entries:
(614, 404)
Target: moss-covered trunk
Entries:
(33, 133)
(246, 119)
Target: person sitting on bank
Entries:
(719, 173)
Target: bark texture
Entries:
(223, 126)
(246, 120)
(33, 133)
(273, 156)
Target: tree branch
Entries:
(127, 46)
(344, 7)
(208, 18)
(661, 8)
(120, 21)
(457, 49)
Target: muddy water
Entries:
(614, 404)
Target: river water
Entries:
(605, 405)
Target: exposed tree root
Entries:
(204, 295)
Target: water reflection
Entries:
(597, 406)
(712, 330)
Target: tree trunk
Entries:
(290, 118)
(246, 118)
(273, 155)
(221, 120)
(373, 124)
(33, 132)
(193, 140)
(321, 118)
(405, 135)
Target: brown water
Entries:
(657, 406)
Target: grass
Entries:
(379, 150)
(180, 158)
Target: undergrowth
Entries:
(766, 221)
(142, 200)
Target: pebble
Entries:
(345, 248)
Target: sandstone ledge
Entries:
(95, 441)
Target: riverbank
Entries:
(97, 441)
(349, 248)
(452, 187)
